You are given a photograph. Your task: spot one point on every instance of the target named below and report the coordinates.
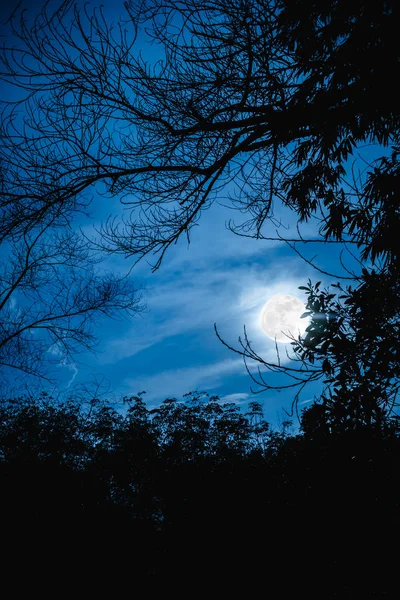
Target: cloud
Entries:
(176, 382)
(213, 240)
(75, 372)
(64, 362)
(200, 377)
(211, 243)
(239, 398)
(229, 296)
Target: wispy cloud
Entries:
(222, 279)
(305, 401)
(64, 362)
(239, 398)
(229, 296)
(176, 382)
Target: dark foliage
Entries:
(270, 96)
(343, 99)
(200, 490)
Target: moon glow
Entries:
(280, 318)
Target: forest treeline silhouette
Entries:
(202, 489)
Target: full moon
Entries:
(280, 318)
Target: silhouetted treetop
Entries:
(269, 97)
(184, 491)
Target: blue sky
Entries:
(171, 348)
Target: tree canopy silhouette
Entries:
(199, 487)
(269, 96)
(351, 346)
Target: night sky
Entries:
(171, 348)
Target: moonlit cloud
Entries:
(239, 398)
(177, 382)
(230, 297)
(65, 363)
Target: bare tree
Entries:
(239, 95)
(52, 291)
(53, 287)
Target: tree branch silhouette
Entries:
(237, 95)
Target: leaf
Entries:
(326, 366)
(306, 314)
